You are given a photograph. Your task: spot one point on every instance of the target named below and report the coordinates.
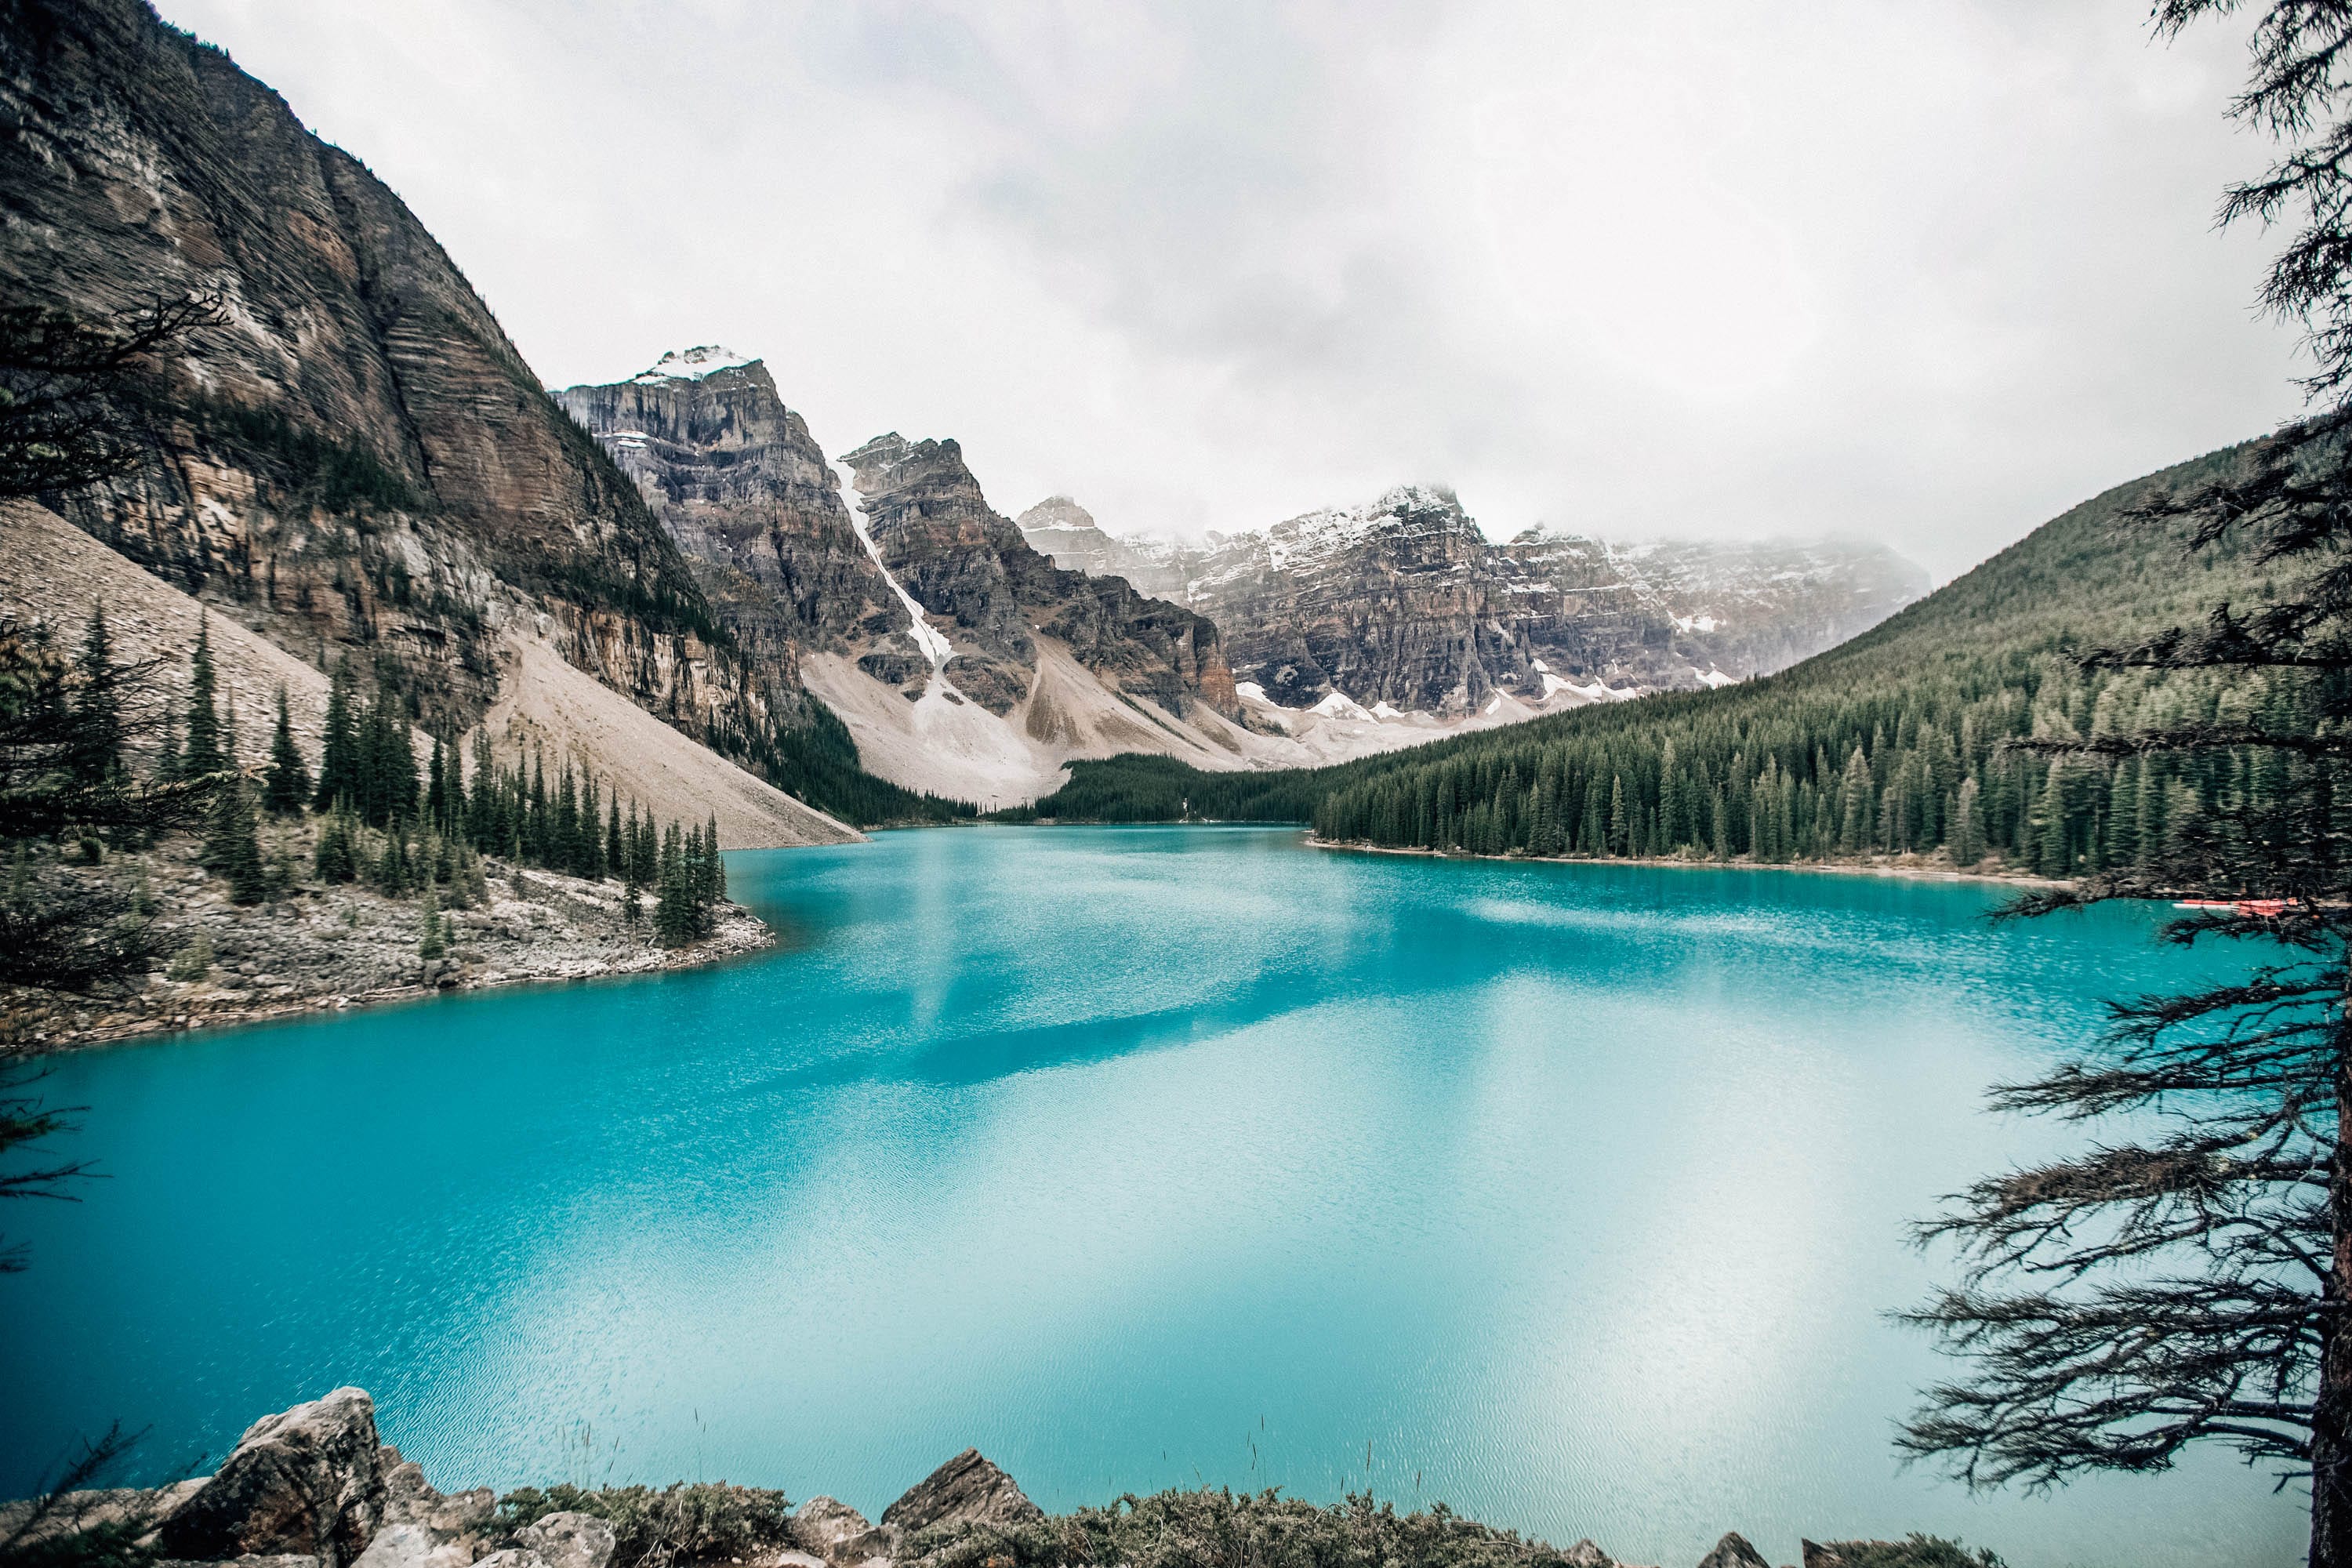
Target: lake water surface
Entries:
(1573, 1196)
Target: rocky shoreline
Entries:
(328, 948)
(314, 1487)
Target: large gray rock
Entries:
(966, 1489)
(305, 1482)
(568, 1540)
(1584, 1554)
(1733, 1551)
(829, 1529)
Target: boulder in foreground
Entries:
(966, 1489)
(306, 1482)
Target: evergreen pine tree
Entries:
(287, 784)
(1967, 836)
(98, 705)
(394, 876)
(674, 917)
(431, 942)
(232, 843)
(201, 755)
(437, 788)
(339, 760)
(336, 857)
(718, 866)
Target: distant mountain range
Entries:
(1403, 604)
(353, 461)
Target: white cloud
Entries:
(1921, 274)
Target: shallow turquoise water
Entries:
(1572, 1196)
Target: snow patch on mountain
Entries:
(692, 364)
(933, 645)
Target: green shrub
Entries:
(1219, 1529)
(192, 961)
(704, 1522)
(1913, 1550)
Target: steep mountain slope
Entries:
(351, 458)
(1403, 603)
(1887, 745)
(545, 707)
(963, 662)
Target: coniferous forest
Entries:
(378, 821)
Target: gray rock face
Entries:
(308, 1482)
(829, 1529)
(1584, 1554)
(1733, 1551)
(966, 1489)
(569, 1541)
(969, 565)
(742, 487)
(355, 456)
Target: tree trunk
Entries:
(2331, 1444)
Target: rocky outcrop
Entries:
(352, 456)
(568, 1540)
(966, 1489)
(1733, 1551)
(744, 490)
(306, 1482)
(831, 1530)
(1403, 602)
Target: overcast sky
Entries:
(1926, 273)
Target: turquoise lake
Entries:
(1572, 1196)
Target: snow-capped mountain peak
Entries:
(693, 364)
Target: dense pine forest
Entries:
(1894, 743)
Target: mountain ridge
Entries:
(1403, 603)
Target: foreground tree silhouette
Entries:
(69, 395)
(2191, 1283)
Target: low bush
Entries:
(1913, 1551)
(1220, 1529)
(703, 1522)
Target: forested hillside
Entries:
(1889, 745)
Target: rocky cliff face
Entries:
(744, 490)
(352, 457)
(1006, 664)
(1403, 603)
(970, 566)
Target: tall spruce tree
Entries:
(98, 704)
(288, 784)
(200, 755)
(2193, 1283)
(339, 758)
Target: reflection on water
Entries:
(1572, 1196)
